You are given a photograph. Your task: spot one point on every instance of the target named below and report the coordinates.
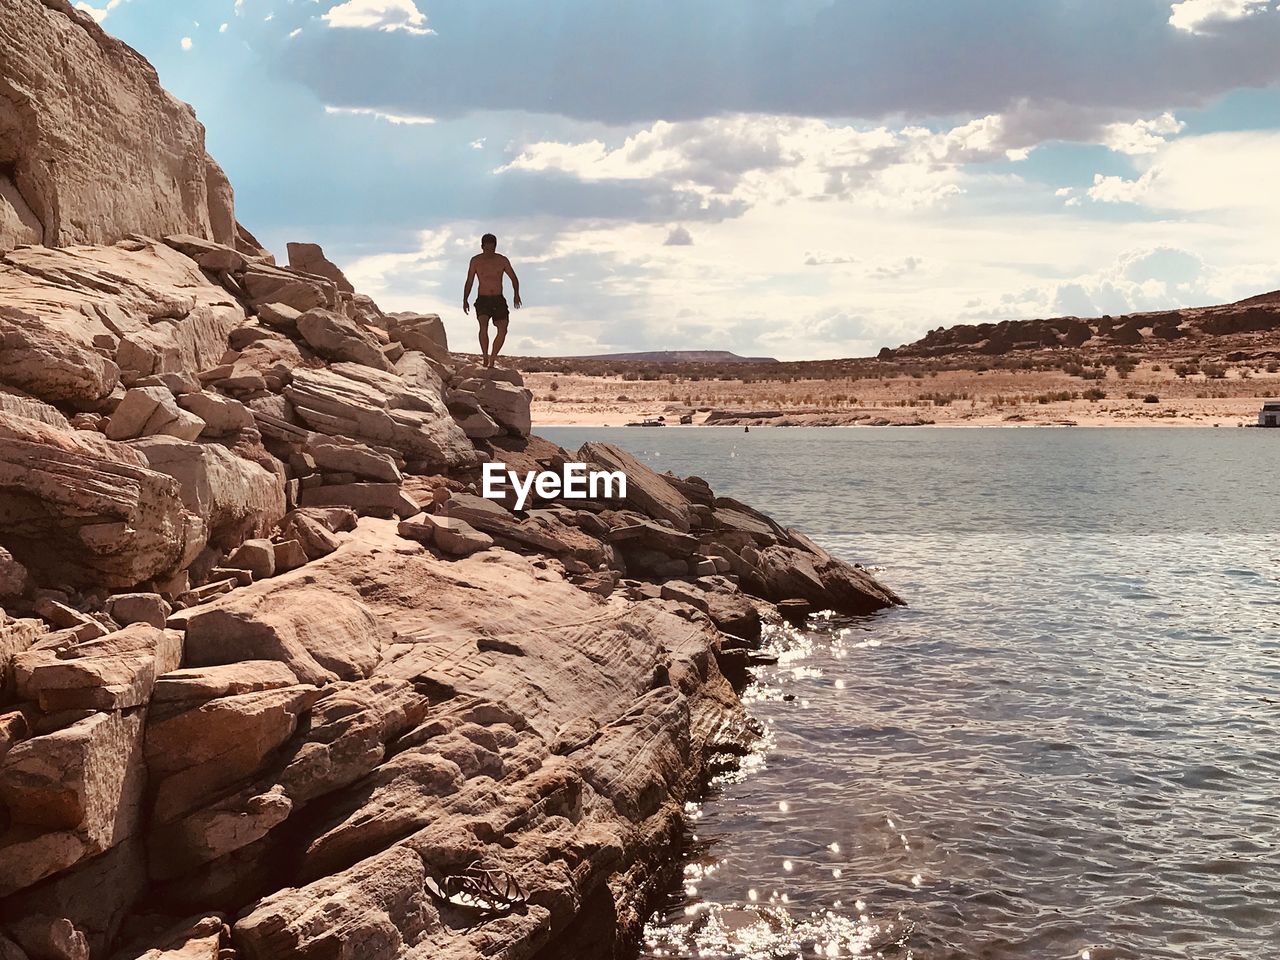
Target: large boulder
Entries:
(788, 573)
(310, 258)
(69, 794)
(87, 136)
(381, 410)
(320, 634)
(236, 498)
(80, 509)
(114, 672)
(337, 337)
(647, 491)
(423, 332)
(506, 403)
(75, 322)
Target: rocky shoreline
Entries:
(257, 699)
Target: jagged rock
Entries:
(77, 321)
(221, 415)
(112, 672)
(508, 405)
(354, 458)
(310, 258)
(236, 498)
(471, 417)
(70, 794)
(336, 337)
(14, 579)
(193, 753)
(127, 608)
(377, 910)
(256, 556)
(451, 535)
(315, 539)
(383, 500)
(210, 255)
(77, 913)
(192, 939)
(273, 285)
(653, 536)
(424, 333)
(289, 555)
(69, 82)
(279, 316)
(420, 372)
(84, 510)
(136, 410)
(380, 410)
(473, 371)
(318, 633)
(345, 738)
(333, 519)
(46, 363)
(647, 491)
(20, 405)
(785, 573)
(178, 383)
(203, 684)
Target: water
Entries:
(1069, 744)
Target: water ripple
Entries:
(1065, 748)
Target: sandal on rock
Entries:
(479, 888)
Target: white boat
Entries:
(1269, 416)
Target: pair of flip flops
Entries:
(480, 889)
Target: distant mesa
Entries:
(677, 356)
(1256, 315)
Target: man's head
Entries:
(488, 243)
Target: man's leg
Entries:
(500, 324)
(484, 338)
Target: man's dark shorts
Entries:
(494, 308)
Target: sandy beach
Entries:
(1151, 395)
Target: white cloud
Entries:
(98, 13)
(678, 237)
(478, 144)
(385, 15)
(1233, 173)
(186, 43)
(1142, 136)
(1118, 189)
(820, 259)
(1138, 280)
(1196, 16)
(756, 158)
(294, 32)
(223, 28)
(394, 118)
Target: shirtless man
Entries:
(490, 267)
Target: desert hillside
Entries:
(1197, 367)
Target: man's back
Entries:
(489, 269)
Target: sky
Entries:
(802, 179)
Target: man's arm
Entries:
(466, 292)
(515, 282)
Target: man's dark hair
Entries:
(488, 240)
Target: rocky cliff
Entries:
(91, 147)
(272, 676)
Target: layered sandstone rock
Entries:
(237, 721)
(65, 81)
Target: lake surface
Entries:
(1068, 745)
